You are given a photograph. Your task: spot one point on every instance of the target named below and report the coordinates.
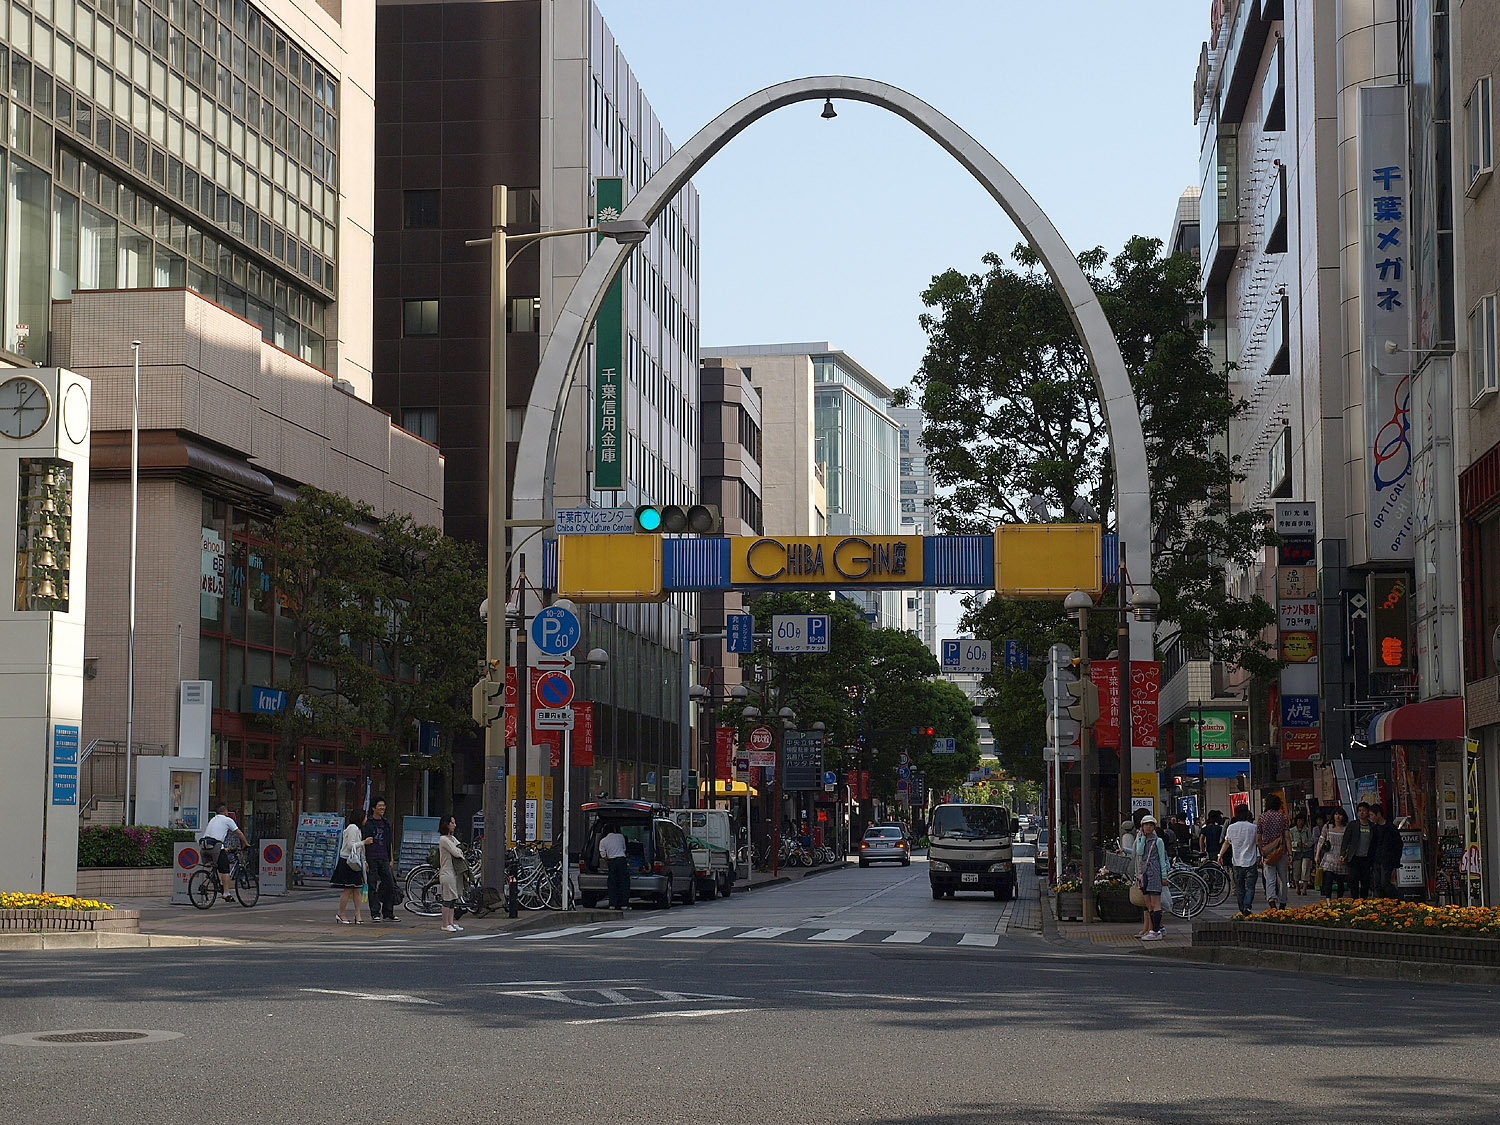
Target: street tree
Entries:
(1012, 410)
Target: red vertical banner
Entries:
(724, 753)
(1145, 687)
(583, 734)
(511, 738)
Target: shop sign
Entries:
(1298, 551)
(212, 582)
(1299, 711)
(1299, 648)
(609, 356)
(1296, 517)
(1304, 745)
(1409, 874)
(1298, 615)
(1210, 730)
(826, 560)
(1294, 582)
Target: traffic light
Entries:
(928, 731)
(694, 519)
(1081, 698)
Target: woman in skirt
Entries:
(449, 880)
(1151, 862)
(349, 873)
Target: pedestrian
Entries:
(378, 873)
(452, 871)
(1330, 856)
(1386, 853)
(1302, 852)
(1152, 865)
(1274, 843)
(1239, 848)
(1212, 835)
(1359, 842)
(349, 872)
(612, 852)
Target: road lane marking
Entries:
(629, 931)
(880, 996)
(475, 937)
(835, 935)
(766, 932)
(696, 931)
(908, 937)
(990, 940)
(569, 932)
(689, 1014)
(389, 997)
(628, 995)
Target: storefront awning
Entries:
(733, 789)
(1432, 720)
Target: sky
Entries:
(830, 230)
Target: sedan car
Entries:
(885, 843)
(1043, 846)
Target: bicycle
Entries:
(1189, 892)
(420, 876)
(1215, 878)
(205, 887)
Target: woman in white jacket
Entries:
(449, 849)
(349, 873)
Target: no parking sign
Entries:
(185, 860)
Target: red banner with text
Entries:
(1145, 688)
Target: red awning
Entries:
(1432, 720)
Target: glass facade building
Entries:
(166, 144)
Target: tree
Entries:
(326, 592)
(1012, 410)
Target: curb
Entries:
(1359, 967)
(548, 919)
(104, 939)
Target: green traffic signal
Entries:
(661, 519)
(648, 518)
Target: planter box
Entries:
(1114, 905)
(58, 921)
(110, 884)
(1069, 905)
(1441, 949)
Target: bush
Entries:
(108, 845)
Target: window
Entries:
(421, 421)
(525, 312)
(1482, 374)
(523, 205)
(1477, 111)
(421, 208)
(420, 317)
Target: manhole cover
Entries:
(88, 1036)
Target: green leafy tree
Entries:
(1012, 410)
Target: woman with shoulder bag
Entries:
(1330, 856)
(1302, 852)
(349, 872)
(1151, 857)
(452, 871)
(1273, 838)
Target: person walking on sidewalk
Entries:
(378, 873)
(1330, 857)
(1358, 849)
(451, 862)
(1151, 862)
(349, 872)
(1302, 852)
(1275, 846)
(612, 852)
(1386, 853)
(1211, 836)
(1239, 848)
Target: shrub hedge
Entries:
(111, 845)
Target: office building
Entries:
(919, 607)
(538, 97)
(833, 462)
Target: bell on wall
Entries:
(46, 559)
(45, 589)
(47, 532)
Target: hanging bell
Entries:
(46, 559)
(49, 506)
(47, 532)
(45, 589)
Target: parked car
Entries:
(656, 848)
(885, 843)
(1043, 848)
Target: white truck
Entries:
(969, 850)
(711, 835)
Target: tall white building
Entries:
(919, 607)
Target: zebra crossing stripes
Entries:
(980, 939)
(834, 936)
(766, 932)
(630, 931)
(696, 931)
(908, 937)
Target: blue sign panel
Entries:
(1299, 711)
(267, 701)
(739, 630)
(429, 737)
(555, 631)
(948, 658)
(817, 632)
(64, 765)
(1015, 656)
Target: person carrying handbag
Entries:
(349, 872)
(1152, 867)
(1274, 842)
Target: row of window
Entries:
(422, 208)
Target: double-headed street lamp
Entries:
(788, 718)
(707, 698)
(497, 654)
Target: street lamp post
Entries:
(1079, 603)
(597, 658)
(706, 697)
(496, 639)
(135, 517)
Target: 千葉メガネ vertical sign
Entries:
(609, 356)
(1385, 288)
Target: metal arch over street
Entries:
(533, 488)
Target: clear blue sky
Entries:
(830, 230)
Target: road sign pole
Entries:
(685, 712)
(567, 788)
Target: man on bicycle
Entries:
(215, 837)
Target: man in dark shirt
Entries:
(378, 872)
(1359, 843)
(1385, 853)
(1212, 835)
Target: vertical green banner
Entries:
(609, 357)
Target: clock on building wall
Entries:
(25, 406)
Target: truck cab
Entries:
(711, 835)
(969, 849)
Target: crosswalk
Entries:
(601, 931)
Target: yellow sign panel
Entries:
(539, 807)
(609, 568)
(1048, 560)
(1143, 785)
(826, 560)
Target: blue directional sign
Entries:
(830, 778)
(1015, 656)
(817, 632)
(555, 631)
(739, 630)
(64, 765)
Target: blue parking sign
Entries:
(739, 630)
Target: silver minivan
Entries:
(656, 849)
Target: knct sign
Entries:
(826, 560)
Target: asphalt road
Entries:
(605, 1025)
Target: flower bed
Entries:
(27, 912)
(43, 900)
(1390, 915)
